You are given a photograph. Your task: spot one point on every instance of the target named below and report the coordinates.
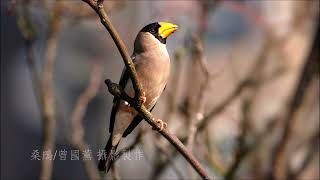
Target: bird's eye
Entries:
(153, 31)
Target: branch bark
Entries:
(115, 90)
(47, 88)
(43, 88)
(106, 22)
(135, 102)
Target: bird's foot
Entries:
(162, 125)
(143, 98)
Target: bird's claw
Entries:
(143, 98)
(162, 125)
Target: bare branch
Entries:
(136, 102)
(105, 20)
(43, 88)
(115, 90)
(47, 88)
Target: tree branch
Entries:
(115, 90)
(47, 88)
(136, 102)
(105, 20)
(43, 88)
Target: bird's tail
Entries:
(105, 163)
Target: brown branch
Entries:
(193, 107)
(311, 68)
(77, 137)
(47, 88)
(81, 11)
(242, 150)
(43, 88)
(115, 90)
(105, 20)
(135, 102)
(247, 82)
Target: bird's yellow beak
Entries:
(166, 29)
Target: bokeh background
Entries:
(243, 93)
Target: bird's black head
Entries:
(160, 30)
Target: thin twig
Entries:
(105, 20)
(194, 107)
(47, 88)
(248, 81)
(43, 88)
(241, 151)
(115, 90)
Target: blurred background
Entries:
(243, 92)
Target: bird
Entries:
(152, 64)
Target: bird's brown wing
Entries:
(116, 100)
(136, 121)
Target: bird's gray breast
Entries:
(153, 69)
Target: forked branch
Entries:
(135, 102)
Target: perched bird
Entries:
(152, 65)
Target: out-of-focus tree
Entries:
(243, 95)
